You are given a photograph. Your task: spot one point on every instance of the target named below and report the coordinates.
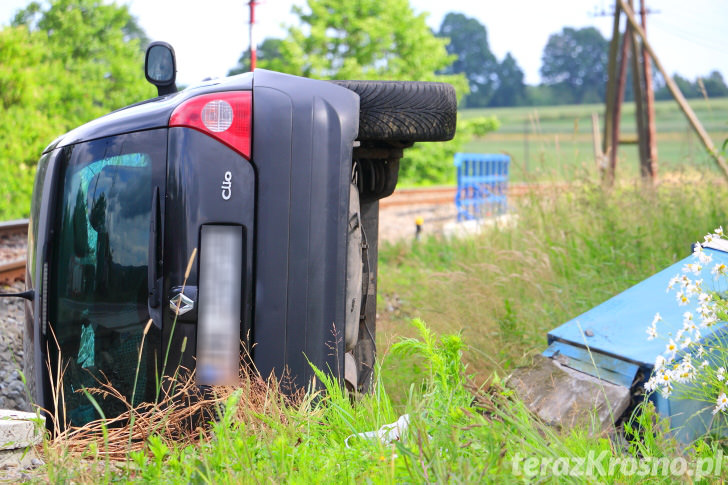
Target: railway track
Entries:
(446, 195)
(12, 256)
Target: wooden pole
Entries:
(675, 91)
(649, 102)
(639, 111)
(621, 83)
(611, 95)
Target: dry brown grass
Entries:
(182, 416)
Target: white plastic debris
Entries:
(386, 434)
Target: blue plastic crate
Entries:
(482, 185)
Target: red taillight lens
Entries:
(226, 116)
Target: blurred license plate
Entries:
(219, 312)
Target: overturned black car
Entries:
(236, 217)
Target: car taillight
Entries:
(226, 116)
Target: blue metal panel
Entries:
(618, 326)
(610, 369)
(482, 185)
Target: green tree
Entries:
(510, 90)
(577, 60)
(474, 59)
(715, 86)
(713, 83)
(366, 39)
(63, 63)
(270, 49)
(100, 53)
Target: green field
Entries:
(555, 142)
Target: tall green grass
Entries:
(455, 434)
(569, 251)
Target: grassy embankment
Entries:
(503, 291)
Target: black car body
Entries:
(266, 176)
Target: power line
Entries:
(602, 12)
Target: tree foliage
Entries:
(473, 57)
(712, 86)
(267, 51)
(367, 39)
(491, 83)
(510, 90)
(576, 59)
(63, 63)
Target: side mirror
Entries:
(160, 67)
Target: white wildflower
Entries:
(719, 230)
(660, 362)
(671, 284)
(720, 403)
(719, 269)
(682, 298)
(694, 288)
(694, 268)
(671, 348)
(651, 384)
(709, 238)
(708, 320)
(720, 374)
(651, 333)
(686, 343)
(685, 372)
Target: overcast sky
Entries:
(691, 38)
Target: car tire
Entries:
(407, 111)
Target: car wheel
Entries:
(404, 110)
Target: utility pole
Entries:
(649, 101)
(675, 91)
(611, 94)
(643, 96)
(617, 109)
(253, 55)
(639, 102)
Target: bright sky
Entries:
(689, 37)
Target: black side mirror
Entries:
(160, 67)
